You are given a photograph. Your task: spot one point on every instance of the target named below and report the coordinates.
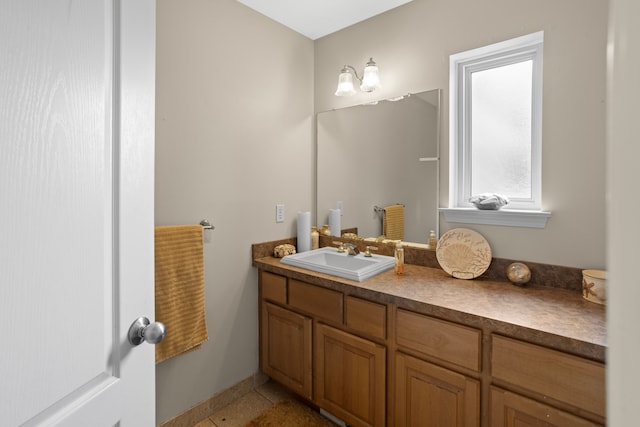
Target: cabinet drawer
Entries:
(318, 301)
(274, 287)
(367, 317)
(446, 341)
(510, 409)
(564, 377)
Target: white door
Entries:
(76, 211)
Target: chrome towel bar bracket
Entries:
(206, 225)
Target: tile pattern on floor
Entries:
(247, 407)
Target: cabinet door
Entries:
(285, 348)
(430, 396)
(350, 377)
(510, 409)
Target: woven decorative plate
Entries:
(463, 253)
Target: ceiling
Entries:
(317, 18)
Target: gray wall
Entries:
(623, 229)
(236, 94)
(412, 44)
(233, 138)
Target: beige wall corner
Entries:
(233, 138)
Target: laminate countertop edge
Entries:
(555, 318)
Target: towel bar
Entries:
(379, 210)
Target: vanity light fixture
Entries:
(369, 82)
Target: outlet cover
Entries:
(279, 213)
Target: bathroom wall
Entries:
(235, 132)
(412, 44)
(233, 138)
(623, 229)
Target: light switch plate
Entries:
(279, 213)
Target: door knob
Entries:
(143, 330)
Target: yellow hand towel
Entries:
(179, 289)
(393, 222)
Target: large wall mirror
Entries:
(377, 155)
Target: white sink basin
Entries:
(329, 261)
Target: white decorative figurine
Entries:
(489, 201)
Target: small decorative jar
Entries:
(594, 286)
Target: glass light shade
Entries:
(345, 84)
(370, 79)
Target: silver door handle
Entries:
(143, 330)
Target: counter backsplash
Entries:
(541, 274)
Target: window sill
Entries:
(505, 217)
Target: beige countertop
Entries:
(552, 317)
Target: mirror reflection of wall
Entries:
(370, 155)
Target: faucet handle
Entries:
(367, 251)
(341, 247)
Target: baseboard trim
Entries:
(212, 405)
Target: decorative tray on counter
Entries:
(463, 253)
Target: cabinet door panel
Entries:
(510, 409)
(286, 348)
(350, 377)
(430, 396)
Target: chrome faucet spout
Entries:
(351, 249)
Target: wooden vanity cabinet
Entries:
(375, 364)
(303, 345)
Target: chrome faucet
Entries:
(351, 249)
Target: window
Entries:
(496, 123)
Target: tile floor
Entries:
(247, 407)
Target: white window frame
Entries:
(520, 212)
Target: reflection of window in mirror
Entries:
(496, 122)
